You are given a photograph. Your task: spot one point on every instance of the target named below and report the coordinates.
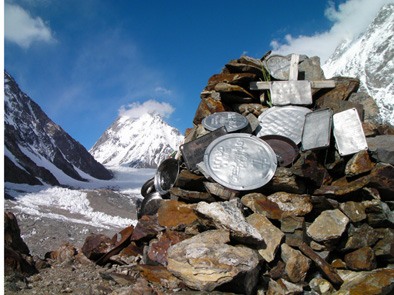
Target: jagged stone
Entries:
(158, 248)
(289, 224)
(361, 237)
(205, 261)
(354, 210)
(96, 246)
(382, 178)
(159, 275)
(344, 87)
(270, 233)
(330, 224)
(244, 65)
(190, 181)
(250, 108)
(259, 203)
(382, 148)
(66, 252)
(12, 234)
(292, 204)
(358, 164)
(309, 69)
(384, 248)
(284, 180)
(146, 228)
(321, 286)
(380, 281)
(220, 191)
(379, 213)
(208, 105)
(227, 215)
(343, 186)
(283, 287)
(361, 259)
(190, 196)
(241, 79)
(297, 265)
(131, 254)
(175, 214)
(371, 109)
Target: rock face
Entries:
(36, 149)
(322, 221)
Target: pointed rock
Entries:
(358, 164)
(330, 224)
(361, 259)
(297, 265)
(292, 204)
(259, 203)
(354, 210)
(175, 214)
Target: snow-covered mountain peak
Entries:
(137, 142)
(370, 58)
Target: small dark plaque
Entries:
(193, 151)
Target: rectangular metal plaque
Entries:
(291, 92)
(317, 130)
(193, 151)
(348, 132)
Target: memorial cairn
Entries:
(285, 185)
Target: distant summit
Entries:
(138, 143)
(370, 58)
(38, 151)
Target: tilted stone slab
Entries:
(330, 224)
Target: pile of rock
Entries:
(323, 224)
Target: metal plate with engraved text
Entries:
(291, 92)
(193, 151)
(240, 161)
(278, 66)
(348, 132)
(231, 120)
(287, 121)
(317, 130)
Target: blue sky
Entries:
(86, 62)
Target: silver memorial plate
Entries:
(287, 121)
(240, 161)
(291, 92)
(317, 130)
(348, 132)
(278, 66)
(231, 120)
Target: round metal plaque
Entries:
(240, 161)
(150, 205)
(166, 175)
(231, 120)
(278, 66)
(285, 149)
(287, 121)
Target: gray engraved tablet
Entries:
(240, 161)
(287, 121)
(278, 66)
(348, 132)
(231, 120)
(317, 129)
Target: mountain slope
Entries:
(36, 150)
(370, 57)
(139, 143)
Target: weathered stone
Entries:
(195, 132)
(96, 246)
(284, 180)
(378, 213)
(205, 261)
(380, 281)
(344, 87)
(146, 228)
(64, 253)
(361, 237)
(159, 247)
(309, 69)
(190, 196)
(175, 214)
(227, 215)
(159, 275)
(292, 204)
(354, 210)
(297, 265)
(270, 233)
(330, 224)
(12, 234)
(208, 106)
(382, 148)
(220, 191)
(244, 65)
(283, 287)
(382, 178)
(343, 186)
(384, 248)
(190, 181)
(338, 264)
(233, 93)
(291, 223)
(361, 259)
(249, 108)
(15, 262)
(259, 203)
(308, 166)
(358, 164)
(321, 286)
(241, 79)
(129, 255)
(371, 109)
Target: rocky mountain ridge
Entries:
(141, 143)
(37, 150)
(370, 58)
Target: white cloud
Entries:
(23, 29)
(162, 90)
(348, 21)
(136, 109)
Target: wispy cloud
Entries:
(23, 29)
(348, 21)
(136, 109)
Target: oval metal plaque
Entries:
(231, 120)
(240, 161)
